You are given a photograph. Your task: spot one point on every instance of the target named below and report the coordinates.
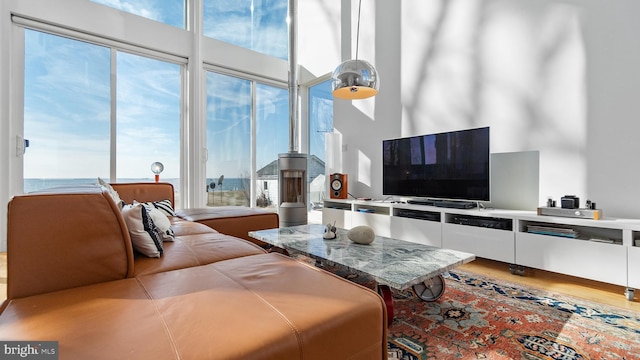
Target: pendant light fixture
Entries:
(355, 79)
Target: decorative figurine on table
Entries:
(330, 232)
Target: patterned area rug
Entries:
(480, 318)
(477, 318)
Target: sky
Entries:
(68, 110)
(68, 98)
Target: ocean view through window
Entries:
(68, 119)
(66, 108)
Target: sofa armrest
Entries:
(237, 221)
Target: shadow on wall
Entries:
(517, 66)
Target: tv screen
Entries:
(451, 165)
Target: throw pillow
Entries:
(164, 206)
(114, 194)
(143, 231)
(161, 221)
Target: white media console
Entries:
(602, 250)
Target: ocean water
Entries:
(31, 185)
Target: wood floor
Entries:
(557, 283)
(586, 289)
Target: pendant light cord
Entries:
(358, 29)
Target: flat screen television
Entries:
(450, 165)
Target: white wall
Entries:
(559, 77)
(365, 123)
(319, 45)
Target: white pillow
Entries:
(114, 194)
(143, 231)
(161, 221)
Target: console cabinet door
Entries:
(487, 243)
(581, 258)
(380, 223)
(341, 218)
(418, 231)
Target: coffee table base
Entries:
(429, 290)
(385, 292)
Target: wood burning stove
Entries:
(292, 173)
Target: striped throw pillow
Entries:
(164, 206)
(144, 233)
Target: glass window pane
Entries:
(228, 140)
(148, 119)
(272, 138)
(320, 123)
(252, 24)
(170, 12)
(66, 111)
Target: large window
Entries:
(94, 104)
(66, 111)
(69, 120)
(230, 120)
(171, 12)
(259, 25)
(103, 107)
(228, 140)
(148, 118)
(320, 123)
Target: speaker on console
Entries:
(338, 186)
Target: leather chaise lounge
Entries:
(74, 277)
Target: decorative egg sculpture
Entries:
(361, 234)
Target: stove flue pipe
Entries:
(293, 76)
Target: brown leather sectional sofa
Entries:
(74, 277)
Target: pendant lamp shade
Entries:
(354, 79)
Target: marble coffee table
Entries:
(390, 262)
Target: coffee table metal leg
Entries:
(385, 292)
(430, 289)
